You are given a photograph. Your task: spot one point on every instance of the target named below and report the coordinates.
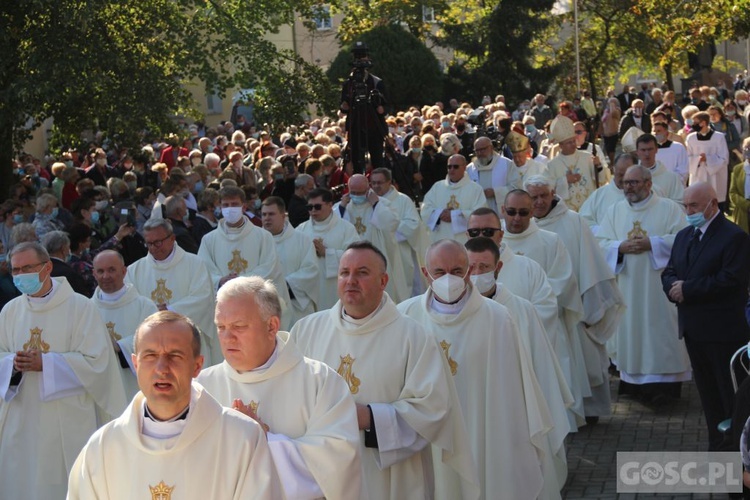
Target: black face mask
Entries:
(696, 127)
(429, 149)
(460, 127)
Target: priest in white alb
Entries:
(122, 310)
(411, 234)
(405, 397)
(521, 275)
(297, 255)
(330, 235)
(238, 247)
(59, 378)
(525, 166)
(174, 440)
(448, 204)
(599, 202)
(303, 404)
(603, 304)
(491, 367)
(669, 184)
(525, 237)
(376, 221)
(494, 173)
(177, 281)
(636, 236)
(673, 155)
(484, 259)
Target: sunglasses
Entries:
(456, 166)
(489, 232)
(524, 212)
(316, 206)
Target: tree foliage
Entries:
(493, 43)
(122, 66)
(410, 71)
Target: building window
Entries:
(213, 103)
(322, 17)
(428, 14)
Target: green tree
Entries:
(493, 43)
(122, 66)
(410, 71)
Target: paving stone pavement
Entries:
(677, 425)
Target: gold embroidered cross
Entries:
(637, 231)
(112, 333)
(361, 228)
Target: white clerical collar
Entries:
(455, 308)
(362, 321)
(643, 202)
(112, 297)
(323, 223)
(169, 257)
(235, 230)
(46, 297)
(271, 360)
(167, 429)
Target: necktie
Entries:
(694, 240)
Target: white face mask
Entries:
(195, 161)
(232, 214)
(483, 282)
(448, 287)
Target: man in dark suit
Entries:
(707, 277)
(176, 211)
(57, 244)
(626, 98)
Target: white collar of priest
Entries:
(271, 360)
(643, 202)
(166, 429)
(323, 223)
(362, 321)
(43, 299)
(112, 297)
(236, 229)
(169, 257)
(455, 308)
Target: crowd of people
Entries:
(437, 324)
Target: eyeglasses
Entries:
(314, 206)
(524, 212)
(631, 183)
(489, 232)
(157, 243)
(580, 132)
(26, 269)
(456, 166)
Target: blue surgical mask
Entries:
(358, 199)
(530, 129)
(54, 213)
(94, 217)
(3, 258)
(217, 212)
(257, 203)
(28, 283)
(17, 219)
(697, 219)
(278, 177)
(199, 187)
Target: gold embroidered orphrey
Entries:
(112, 333)
(361, 228)
(637, 231)
(345, 370)
(35, 341)
(161, 294)
(237, 265)
(254, 406)
(161, 491)
(453, 203)
(451, 362)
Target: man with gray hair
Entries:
(175, 209)
(316, 445)
(57, 245)
(602, 302)
(495, 173)
(177, 281)
(303, 184)
(598, 202)
(636, 235)
(58, 378)
(46, 216)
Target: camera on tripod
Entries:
(478, 119)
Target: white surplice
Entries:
(500, 175)
(391, 364)
(46, 419)
(647, 347)
(461, 198)
(668, 184)
(247, 251)
(490, 367)
(336, 234)
(597, 204)
(122, 314)
(312, 419)
(217, 453)
(715, 169)
(300, 266)
(182, 282)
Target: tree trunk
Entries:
(668, 75)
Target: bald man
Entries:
(494, 378)
(493, 172)
(376, 221)
(122, 310)
(449, 203)
(707, 277)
